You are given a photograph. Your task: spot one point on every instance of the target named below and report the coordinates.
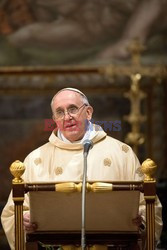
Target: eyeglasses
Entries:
(73, 110)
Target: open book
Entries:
(106, 211)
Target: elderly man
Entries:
(61, 159)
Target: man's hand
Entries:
(28, 227)
(138, 221)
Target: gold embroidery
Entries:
(139, 171)
(37, 161)
(125, 148)
(97, 127)
(107, 162)
(58, 170)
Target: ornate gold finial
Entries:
(17, 169)
(149, 168)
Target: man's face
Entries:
(73, 127)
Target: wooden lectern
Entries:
(101, 234)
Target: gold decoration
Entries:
(149, 169)
(99, 187)
(139, 171)
(135, 118)
(135, 71)
(136, 48)
(68, 187)
(25, 208)
(17, 169)
(125, 148)
(37, 161)
(107, 162)
(58, 170)
(17, 199)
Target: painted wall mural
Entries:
(51, 32)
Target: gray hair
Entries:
(83, 96)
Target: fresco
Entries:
(53, 32)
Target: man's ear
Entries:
(89, 112)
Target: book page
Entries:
(106, 211)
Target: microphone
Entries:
(87, 144)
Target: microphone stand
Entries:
(83, 241)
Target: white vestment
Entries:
(108, 160)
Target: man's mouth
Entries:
(70, 126)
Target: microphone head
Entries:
(87, 144)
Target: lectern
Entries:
(101, 232)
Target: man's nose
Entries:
(67, 115)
